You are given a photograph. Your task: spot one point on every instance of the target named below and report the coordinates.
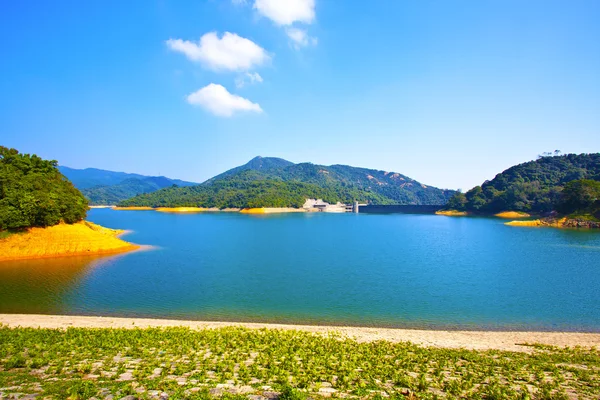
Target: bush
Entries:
(33, 192)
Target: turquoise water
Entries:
(374, 270)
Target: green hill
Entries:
(102, 187)
(274, 182)
(534, 186)
(261, 164)
(33, 192)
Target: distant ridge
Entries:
(103, 187)
(275, 182)
(90, 177)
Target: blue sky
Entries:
(447, 92)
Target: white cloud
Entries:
(248, 78)
(218, 101)
(300, 38)
(230, 52)
(286, 12)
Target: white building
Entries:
(322, 206)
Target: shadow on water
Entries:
(41, 286)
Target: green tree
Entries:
(536, 186)
(34, 193)
(457, 202)
(580, 195)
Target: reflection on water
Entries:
(41, 286)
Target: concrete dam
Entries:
(404, 209)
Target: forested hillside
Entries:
(260, 164)
(535, 186)
(102, 187)
(250, 189)
(274, 182)
(91, 177)
(33, 192)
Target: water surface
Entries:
(374, 270)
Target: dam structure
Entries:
(318, 205)
(399, 208)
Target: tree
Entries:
(33, 192)
(580, 196)
(457, 202)
(535, 186)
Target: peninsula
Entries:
(42, 214)
(80, 238)
(559, 190)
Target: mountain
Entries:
(271, 182)
(90, 177)
(262, 164)
(102, 187)
(534, 186)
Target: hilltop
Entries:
(566, 183)
(274, 182)
(103, 187)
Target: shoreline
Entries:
(473, 340)
(65, 240)
(561, 223)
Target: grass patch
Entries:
(584, 217)
(233, 362)
(5, 234)
(8, 233)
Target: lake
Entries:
(393, 270)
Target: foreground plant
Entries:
(234, 362)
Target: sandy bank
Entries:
(132, 208)
(555, 223)
(271, 210)
(535, 222)
(181, 209)
(512, 214)
(452, 213)
(101, 206)
(478, 340)
(82, 238)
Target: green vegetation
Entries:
(103, 187)
(34, 193)
(235, 362)
(250, 189)
(92, 177)
(113, 194)
(5, 234)
(535, 186)
(580, 199)
(273, 182)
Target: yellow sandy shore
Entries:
(271, 210)
(537, 222)
(82, 238)
(478, 340)
(452, 213)
(512, 214)
(181, 209)
(132, 208)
